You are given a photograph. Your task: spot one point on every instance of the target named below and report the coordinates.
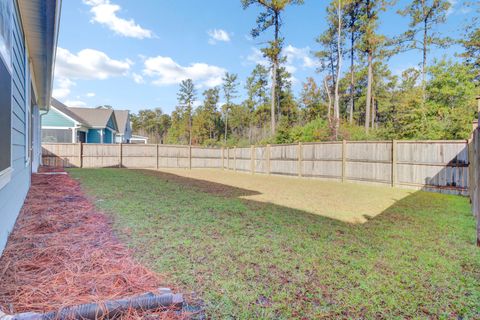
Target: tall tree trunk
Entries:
(424, 60)
(189, 125)
(327, 89)
(274, 76)
(190, 129)
(226, 123)
(352, 77)
(336, 106)
(279, 110)
(424, 66)
(374, 111)
(272, 111)
(369, 90)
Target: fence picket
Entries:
(434, 165)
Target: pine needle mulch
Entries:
(63, 252)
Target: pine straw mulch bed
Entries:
(63, 252)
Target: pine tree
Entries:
(210, 103)
(230, 90)
(424, 16)
(311, 98)
(186, 98)
(271, 17)
(471, 44)
(331, 55)
(371, 42)
(328, 61)
(257, 99)
(352, 17)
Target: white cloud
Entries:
(218, 35)
(137, 78)
(295, 58)
(63, 88)
(90, 94)
(105, 12)
(166, 71)
(75, 103)
(300, 55)
(452, 7)
(256, 57)
(89, 64)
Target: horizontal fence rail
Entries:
(440, 166)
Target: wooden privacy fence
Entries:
(474, 173)
(440, 166)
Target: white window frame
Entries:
(6, 174)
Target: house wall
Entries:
(14, 192)
(108, 136)
(119, 138)
(94, 136)
(55, 119)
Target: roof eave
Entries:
(40, 21)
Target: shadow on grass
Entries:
(262, 260)
(202, 185)
(401, 210)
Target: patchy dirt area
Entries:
(347, 202)
(63, 252)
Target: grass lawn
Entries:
(252, 259)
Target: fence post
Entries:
(190, 157)
(235, 158)
(81, 155)
(394, 163)
(300, 158)
(120, 156)
(228, 158)
(344, 160)
(157, 155)
(252, 159)
(223, 158)
(268, 159)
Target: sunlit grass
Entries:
(249, 259)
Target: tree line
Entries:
(358, 96)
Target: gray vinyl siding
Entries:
(13, 194)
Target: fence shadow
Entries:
(417, 210)
(348, 202)
(202, 185)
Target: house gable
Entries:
(55, 118)
(112, 124)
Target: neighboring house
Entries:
(71, 125)
(124, 126)
(28, 41)
(138, 139)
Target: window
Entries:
(5, 89)
(57, 135)
(6, 11)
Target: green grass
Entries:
(247, 259)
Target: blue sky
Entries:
(132, 54)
